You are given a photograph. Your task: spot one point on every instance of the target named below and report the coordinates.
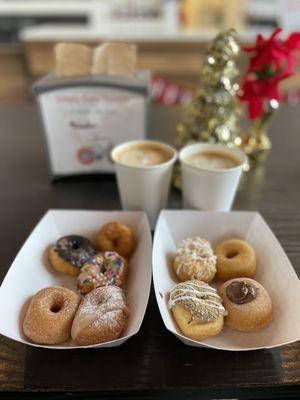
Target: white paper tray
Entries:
(31, 270)
(275, 272)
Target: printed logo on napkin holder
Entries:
(85, 117)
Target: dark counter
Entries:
(153, 364)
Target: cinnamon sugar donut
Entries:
(118, 237)
(100, 317)
(248, 304)
(49, 317)
(235, 258)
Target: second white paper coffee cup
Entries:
(144, 188)
(210, 189)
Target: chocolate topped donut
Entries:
(247, 303)
(75, 249)
(70, 253)
(240, 292)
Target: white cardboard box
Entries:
(275, 273)
(31, 270)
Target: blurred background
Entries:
(171, 35)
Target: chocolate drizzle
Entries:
(75, 249)
(241, 292)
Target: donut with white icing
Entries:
(194, 259)
(197, 309)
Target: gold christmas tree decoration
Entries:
(214, 114)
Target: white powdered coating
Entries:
(193, 253)
(99, 305)
(199, 298)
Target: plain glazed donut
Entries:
(100, 317)
(235, 258)
(118, 237)
(50, 314)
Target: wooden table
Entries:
(153, 364)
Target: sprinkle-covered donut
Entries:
(70, 253)
(50, 314)
(235, 258)
(118, 237)
(106, 268)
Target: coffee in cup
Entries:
(211, 160)
(210, 175)
(144, 171)
(144, 154)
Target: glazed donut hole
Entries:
(56, 306)
(75, 245)
(114, 242)
(231, 253)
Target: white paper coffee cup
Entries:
(144, 188)
(210, 189)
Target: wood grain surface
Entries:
(153, 364)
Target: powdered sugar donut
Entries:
(100, 317)
(194, 259)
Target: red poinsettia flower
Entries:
(255, 92)
(273, 61)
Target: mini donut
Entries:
(106, 268)
(70, 253)
(194, 259)
(50, 314)
(197, 309)
(235, 258)
(118, 237)
(248, 304)
(100, 317)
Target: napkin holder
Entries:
(83, 118)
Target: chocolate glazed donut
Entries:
(70, 253)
